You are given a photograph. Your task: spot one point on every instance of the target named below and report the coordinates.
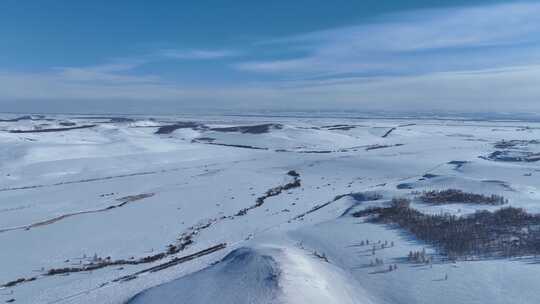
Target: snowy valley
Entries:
(268, 209)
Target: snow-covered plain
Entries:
(114, 190)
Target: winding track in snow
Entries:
(186, 237)
(124, 201)
(110, 177)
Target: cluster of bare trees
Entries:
(273, 192)
(419, 256)
(377, 262)
(380, 262)
(506, 232)
(457, 196)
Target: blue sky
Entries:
(168, 56)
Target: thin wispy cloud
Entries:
(469, 59)
(514, 89)
(106, 74)
(415, 42)
(121, 70)
(198, 54)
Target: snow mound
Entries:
(266, 275)
(244, 276)
(306, 278)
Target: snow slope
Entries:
(118, 192)
(260, 275)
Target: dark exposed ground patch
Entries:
(405, 186)
(67, 124)
(168, 129)
(365, 196)
(293, 173)
(514, 151)
(255, 129)
(513, 156)
(458, 164)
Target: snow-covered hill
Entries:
(253, 209)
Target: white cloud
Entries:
(103, 74)
(415, 42)
(197, 54)
(463, 59)
(122, 70)
(513, 90)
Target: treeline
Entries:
(507, 232)
(273, 192)
(457, 196)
